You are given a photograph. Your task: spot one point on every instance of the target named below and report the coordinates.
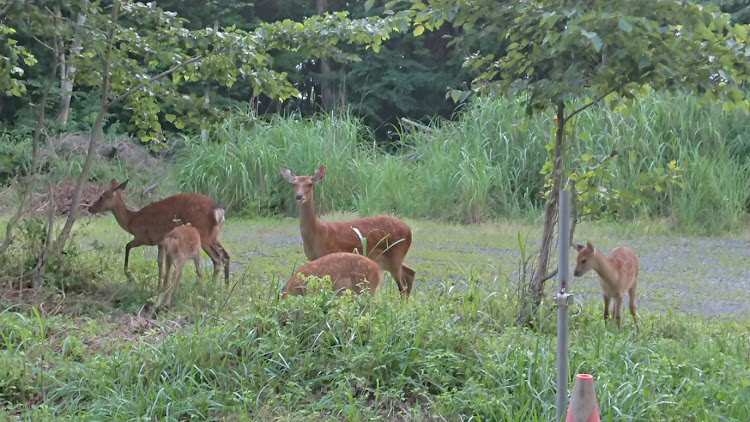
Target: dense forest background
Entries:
(364, 89)
(408, 78)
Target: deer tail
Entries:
(219, 215)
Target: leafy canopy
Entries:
(563, 51)
(151, 55)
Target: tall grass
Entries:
(484, 166)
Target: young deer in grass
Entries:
(388, 238)
(178, 246)
(348, 271)
(149, 225)
(618, 273)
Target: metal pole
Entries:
(562, 299)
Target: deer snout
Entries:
(300, 197)
(577, 273)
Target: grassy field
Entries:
(450, 353)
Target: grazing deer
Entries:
(178, 246)
(149, 225)
(388, 238)
(348, 271)
(618, 273)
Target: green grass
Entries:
(449, 353)
(486, 165)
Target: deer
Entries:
(388, 238)
(617, 272)
(178, 246)
(150, 224)
(348, 271)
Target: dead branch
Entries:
(42, 263)
(410, 125)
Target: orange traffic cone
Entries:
(583, 406)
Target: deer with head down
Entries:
(348, 271)
(618, 274)
(388, 238)
(178, 246)
(150, 224)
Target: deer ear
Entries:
(319, 175)
(288, 175)
(113, 184)
(589, 245)
(578, 247)
(122, 185)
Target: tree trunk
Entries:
(326, 87)
(541, 274)
(28, 186)
(96, 133)
(68, 71)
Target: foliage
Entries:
(738, 9)
(487, 166)
(187, 106)
(65, 270)
(452, 354)
(12, 57)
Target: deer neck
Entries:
(604, 266)
(122, 214)
(308, 221)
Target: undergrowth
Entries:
(450, 354)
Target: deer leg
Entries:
(127, 258)
(160, 259)
(618, 310)
(165, 284)
(631, 294)
(132, 244)
(198, 268)
(215, 258)
(175, 282)
(408, 275)
(606, 307)
(224, 256)
(386, 262)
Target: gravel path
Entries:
(709, 276)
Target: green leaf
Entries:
(170, 118)
(594, 37)
(625, 26)
(419, 30)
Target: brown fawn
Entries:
(348, 271)
(388, 238)
(149, 225)
(178, 246)
(618, 273)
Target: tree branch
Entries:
(131, 91)
(6, 8)
(548, 276)
(601, 97)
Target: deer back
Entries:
(182, 243)
(625, 263)
(157, 219)
(347, 271)
(384, 235)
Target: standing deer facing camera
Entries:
(388, 238)
(178, 246)
(618, 274)
(150, 224)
